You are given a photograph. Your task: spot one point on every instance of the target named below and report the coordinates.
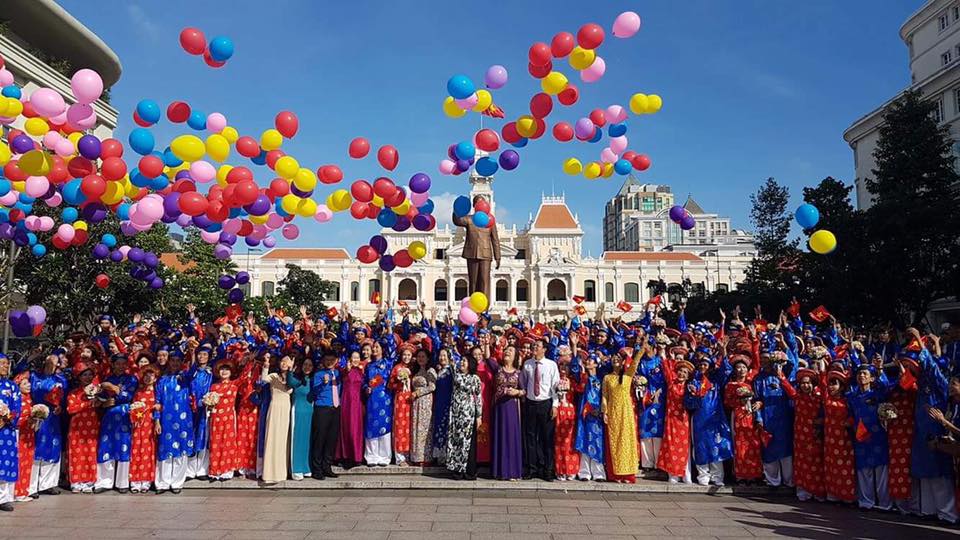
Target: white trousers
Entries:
(6, 492)
(140, 486)
(872, 490)
(171, 473)
(401, 457)
(377, 451)
(82, 487)
(198, 463)
(937, 497)
(711, 472)
(44, 475)
(649, 451)
(112, 474)
(225, 476)
(590, 469)
(779, 472)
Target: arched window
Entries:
(440, 291)
(354, 291)
(523, 291)
(503, 291)
(407, 290)
(556, 290)
(723, 287)
(590, 290)
(334, 294)
(674, 292)
(631, 292)
(608, 292)
(373, 286)
(460, 289)
(266, 288)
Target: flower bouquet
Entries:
(138, 412)
(211, 399)
(39, 412)
(886, 412)
(91, 390)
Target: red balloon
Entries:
(239, 174)
(539, 72)
(150, 166)
(80, 237)
(629, 155)
(247, 146)
(79, 167)
(486, 139)
(102, 281)
(13, 172)
(113, 168)
(16, 215)
(273, 156)
(362, 191)
(279, 187)
(93, 186)
(367, 254)
(509, 133)
(402, 258)
(246, 192)
(590, 36)
(562, 44)
(563, 131)
(569, 95)
(178, 112)
(140, 121)
(597, 117)
(193, 41)
(388, 157)
(59, 244)
(183, 185)
(329, 174)
(492, 223)
(28, 110)
(395, 199)
(641, 162)
(358, 210)
(482, 206)
(384, 187)
(193, 203)
(245, 228)
(58, 171)
(539, 54)
(111, 148)
(540, 105)
(541, 128)
(359, 148)
(286, 123)
(210, 61)
(217, 211)
(372, 211)
(229, 196)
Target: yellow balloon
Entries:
(218, 147)
(377, 201)
(5, 154)
(572, 166)
(823, 242)
(287, 167)
(607, 170)
(290, 203)
(638, 103)
(114, 193)
(188, 147)
(654, 102)
(554, 83)
(479, 302)
(4, 104)
(36, 126)
(230, 133)
(592, 170)
(402, 208)
(417, 250)
(581, 58)
(222, 173)
(305, 180)
(307, 208)
(484, 99)
(526, 125)
(36, 163)
(131, 190)
(270, 139)
(14, 108)
(19, 186)
(451, 109)
(74, 137)
(258, 220)
(341, 200)
(80, 225)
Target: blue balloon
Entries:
(465, 150)
(597, 135)
(123, 211)
(279, 209)
(4, 215)
(387, 218)
(427, 207)
(807, 216)
(481, 219)
(149, 111)
(141, 141)
(25, 208)
(260, 159)
(622, 167)
(32, 238)
(460, 87)
(616, 130)
(69, 214)
(39, 250)
(461, 206)
(138, 179)
(171, 160)
(12, 91)
(159, 183)
(25, 199)
(486, 166)
(5, 187)
(108, 240)
(521, 143)
(197, 120)
(221, 48)
(72, 194)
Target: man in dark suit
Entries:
(481, 246)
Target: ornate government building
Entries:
(542, 267)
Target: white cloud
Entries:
(143, 22)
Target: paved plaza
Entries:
(441, 514)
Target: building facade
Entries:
(542, 267)
(932, 37)
(634, 200)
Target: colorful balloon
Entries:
(626, 24)
(807, 216)
(460, 87)
(193, 41)
(359, 148)
(388, 157)
(286, 123)
(495, 77)
(590, 36)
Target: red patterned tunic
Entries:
(143, 454)
(402, 398)
(567, 460)
(838, 466)
(82, 437)
(747, 445)
(900, 437)
(807, 440)
(26, 445)
(488, 387)
(675, 448)
(247, 419)
(224, 455)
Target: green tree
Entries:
(197, 284)
(302, 288)
(767, 283)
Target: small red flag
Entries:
(657, 300)
(819, 314)
(332, 312)
(794, 309)
(863, 434)
(580, 310)
(512, 311)
(578, 299)
(375, 297)
(625, 307)
(402, 303)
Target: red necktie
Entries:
(536, 379)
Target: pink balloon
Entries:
(123, 250)
(36, 186)
(216, 122)
(64, 148)
(46, 223)
(290, 231)
(447, 166)
(232, 226)
(31, 222)
(323, 214)
(274, 221)
(465, 303)
(10, 198)
(615, 114)
(51, 138)
(47, 103)
(419, 199)
(467, 103)
(209, 237)
(269, 242)
(81, 115)
(626, 24)
(6, 78)
(618, 144)
(468, 316)
(151, 209)
(202, 172)
(607, 155)
(87, 85)
(595, 71)
(60, 119)
(66, 232)
(54, 201)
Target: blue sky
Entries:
(751, 88)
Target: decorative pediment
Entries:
(506, 252)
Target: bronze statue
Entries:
(481, 246)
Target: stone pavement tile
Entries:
(272, 535)
(57, 532)
(453, 499)
(393, 526)
(709, 531)
(533, 510)
(592, 537)
(747, 522)
(324, 525)
(348, 535)
(645, 504)
(548, 528)
(509, 518)
(518, 501)
(513, 536)
(616, 512)
(566, 503)
(296, 497)
(158, 522)
(432, 516)
(430, 535)
(682, 512)
(470, 527)
(403, 507)
(473, 509)
(165, 534)
(375, 500)
(638, 530)
(240, 525)
(647, 520)
(567, 517)
(334, 507)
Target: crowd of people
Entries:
(840, 415)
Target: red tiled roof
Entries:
(554, 216)
(172, 260)
(337, 254)
(649, 256)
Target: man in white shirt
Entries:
(539, 379)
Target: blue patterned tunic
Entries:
(379, 413)
(115, 427)
(712, 438)
(176, 419)
(777, 416)
(9, 461)
(50, 435)
(924, 461)
(589, 440)
(441, 407)
(874, 451)
(651, 420)
(200, 381)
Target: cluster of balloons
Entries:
(482, 217)
(215, 53)
(143, 263)
(27, 323)
(376, 250)
(464, 96)
(681, 217)
(615, 158)
(463, 155)
(471, 307)
(821, 242)
(232, 284)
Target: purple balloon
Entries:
(495, 77)
(677, 213)
(150, 260)
(147, 275)
(6, 231)
(386, 263)
(222, 251)
(171, 204)
(116, 256)
(259, 207)
(419, 183)
(688, 223)
(156, 283)
(135, 254)
(379, 244)
(184, 220)
(94, 212)
(228, 238)
(182, 174)
(167, 218)
(463, 165)
(89, 147)
(584, 128)
(127, 228)
(101, 251)
(402, 224)
(421, 222)
(202, 221)
(37, 315)
(269, 242)
(509, 159)
(251, 241)
(226, 282)
(235, 296)
(298, 192)
(20, 324)
(21, 144)
(452, 152)
(242, 278)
